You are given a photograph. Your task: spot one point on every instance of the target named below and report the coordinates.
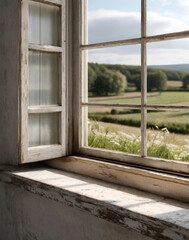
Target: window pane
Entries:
(44, 24)
(110, 20)
(168, 135)
(43, 129)
(43, 78)
(168, 72)
(114, 129)
(166, 16)
(114, 75)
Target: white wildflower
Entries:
(115, 143)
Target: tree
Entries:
(101, 85)
(119, 82)
(91, 78)
(156, 81)
(137, 81)
(109, 82)
(185, 81)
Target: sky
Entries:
(110, 20)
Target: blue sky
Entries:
(132, 5)
(118, 5)
(111, 20)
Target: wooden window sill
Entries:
(160, 183)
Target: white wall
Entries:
(27, 216)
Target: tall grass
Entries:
(101, 137)
(175, 127)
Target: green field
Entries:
(175, 121)
(166, 116)
(181, 98)
(119, 129)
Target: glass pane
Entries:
(44, 24)
(110, 20)
(168, 135)
(166, 16)
(43, 129)
(114, 75)
(114, 129)
(168, 72)
(43, 78)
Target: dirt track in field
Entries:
(125, 95)
(174, 83)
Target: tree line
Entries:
(113, 79)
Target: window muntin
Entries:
(143, 160)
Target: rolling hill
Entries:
(175, 67)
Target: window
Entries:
(43, 80)
(47, 95)
(155, 44)
(108, 63)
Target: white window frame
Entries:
(81, 98)
(32, 154)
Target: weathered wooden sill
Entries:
(163, 184)
(151, 215)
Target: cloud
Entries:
(162, 2)
(168, 52)
(184, 4)
(165, 2)
(107, 25)
(158, 24)
(129, 55)
(113, 25)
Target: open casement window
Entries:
(145, 121)
(43, 83)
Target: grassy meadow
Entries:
(180, 98)
(119, 129)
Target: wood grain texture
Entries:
(143, 82)
(116, 105)
(44, 109)
(84, 74)
(168, 165)
(24, 80)
(138, 106)
(63, 78)
(134, 41)
(69, 77)
(162, 184)
(51, 2)
(42, 153)
(77, 65)
(43, 48)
